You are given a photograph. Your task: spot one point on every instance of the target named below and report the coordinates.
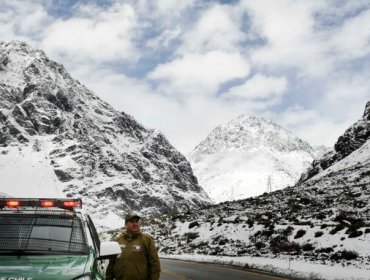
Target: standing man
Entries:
(139, 259)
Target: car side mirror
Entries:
(109, 250)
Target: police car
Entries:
(50, 239)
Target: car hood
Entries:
(42, 267)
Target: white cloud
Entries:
(351, 40)
(296, 115)
(94, 35)
(288, 28)
(310, 125)
(22, 20)
(170, 8)
(260, 87)
(321, 132)
(166, 9)
(201, 74)
(163, 16)
(345, 96)
(282, 22)
(219, 28)
(162, 22)
(299, 34)
(164, 39)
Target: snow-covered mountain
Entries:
(57, 138)
(243, 157)
(323, 220)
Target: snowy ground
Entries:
(294, 268)
(25, 173)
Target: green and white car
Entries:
(50, 239)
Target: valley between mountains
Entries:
(250, 191)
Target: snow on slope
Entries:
(360, 157)
(236, 160)
(320, 223)
(25, 173)
(235, 175)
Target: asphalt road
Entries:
(181, 270)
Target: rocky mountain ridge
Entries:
(92, 150)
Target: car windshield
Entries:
(23, 234)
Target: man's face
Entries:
(133, 225)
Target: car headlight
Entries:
(86, 276)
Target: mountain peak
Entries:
(64, 137)
(21, 53)
(15, 45)
(22, 65)
(249, 118)
(246, 133)
(239, 158)
(250, 121)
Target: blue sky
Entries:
(184, 67)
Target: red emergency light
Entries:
(12, 203)
(47, 203)
(71, 204)
(64, 203)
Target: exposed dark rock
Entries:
(64, 101)
(63, 176)
(4, 62)
(352, 139)
(2, 117)
(29, 88)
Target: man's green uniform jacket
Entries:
(138, 261)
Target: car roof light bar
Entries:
(64, 203)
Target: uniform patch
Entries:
(136, 248)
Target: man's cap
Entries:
(130, 216)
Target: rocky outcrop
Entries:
(352, 139)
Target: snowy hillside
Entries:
(351, 141)
(322, 223)
(57, 138)
(239, 159)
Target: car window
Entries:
(26, 234)
(51, 233)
